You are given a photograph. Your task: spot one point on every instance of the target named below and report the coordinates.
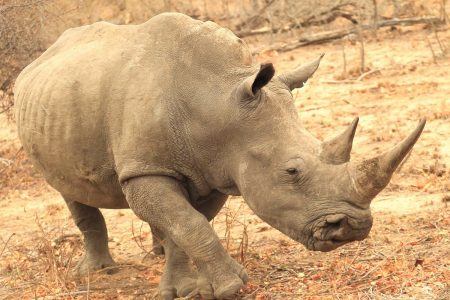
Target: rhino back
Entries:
(95, 108)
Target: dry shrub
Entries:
(21, 24)
(39, 266)
(17, 173)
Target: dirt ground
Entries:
(406, 256)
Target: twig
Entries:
(6, 243)
(65, 236)
(136, 239)
(432, 51)
(443, 50)
(363, 75)
(354, 80)
(356, 254)
(315, 108)
(344, 58)
(361, 42)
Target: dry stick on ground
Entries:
(432, 51)
(138, 240)
(327, 36)
(355, 80)
(243, 245)
(443, 50)
(6, 244)
(69, 261)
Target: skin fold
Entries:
(168, 118)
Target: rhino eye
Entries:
(292, 171)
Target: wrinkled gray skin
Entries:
(168, 118)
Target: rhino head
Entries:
(307, 189)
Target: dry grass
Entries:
(405, 257)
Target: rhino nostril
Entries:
(335, 225)
(337, 221)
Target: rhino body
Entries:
(168, 118)
(81, 106)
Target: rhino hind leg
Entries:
(157, 247)
(92, 225)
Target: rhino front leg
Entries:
(163, 203)
(92, 225)
(209, 206)
(180, 278)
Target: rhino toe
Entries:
(177, 284)
(224, 284)
(88, 265)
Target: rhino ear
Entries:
(297, 78)
(253, 84)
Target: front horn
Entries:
(372, 175)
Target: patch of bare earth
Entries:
(406, 256)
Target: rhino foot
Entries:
(221, 283)
(180, 277)
(88, 265)
(177, 283)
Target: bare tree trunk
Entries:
(361, 41)
(344, 58)
(375, 17)
(444, 12)
(205, 8)
(396, 8)
(167, 5)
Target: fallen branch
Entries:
(327, 36)
(353, 80)
(320, 19)
(363, 75)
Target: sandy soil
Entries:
(407, 255)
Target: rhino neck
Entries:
(200, 123)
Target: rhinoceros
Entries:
(169, 118)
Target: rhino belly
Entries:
(62, 128)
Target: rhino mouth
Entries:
(333, 231)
